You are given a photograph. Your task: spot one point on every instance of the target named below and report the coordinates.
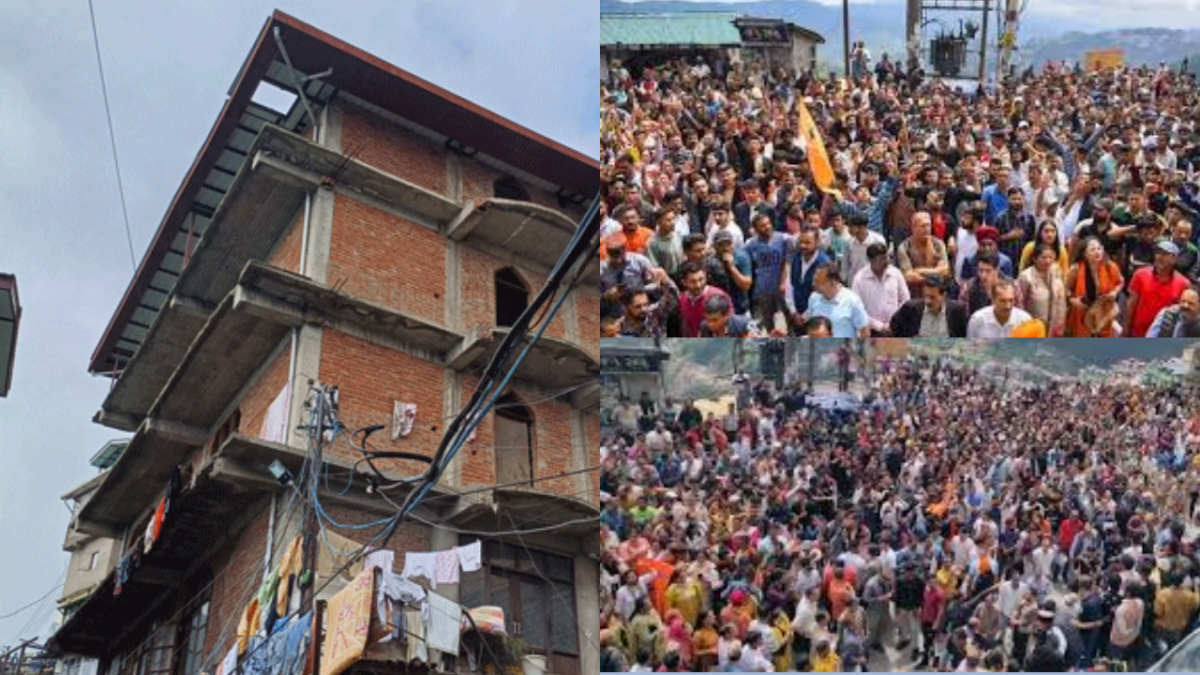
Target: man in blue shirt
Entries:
(995, 196)
(839, 304)
(767, 252)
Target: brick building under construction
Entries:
(379, 235)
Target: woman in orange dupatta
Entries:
(1093, 284)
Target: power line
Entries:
(14, 613)
(112, 137)
(534, 530)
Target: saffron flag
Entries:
(818, 159)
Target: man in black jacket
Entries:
(932, 315)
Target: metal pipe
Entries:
(296, 80)
(304, 236)
(270, 539)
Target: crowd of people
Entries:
(1062, 203)
(959, 520)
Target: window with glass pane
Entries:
(196, 630)
(562, 619)
(533, 615)
(558, 568)
(530, 561)
(472, 591)
(500, 592)
(156, 657)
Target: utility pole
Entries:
(912, 34)
(21, 660)
(846, 36)
(983, 43)
(812, 364)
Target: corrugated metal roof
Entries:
(712, 29)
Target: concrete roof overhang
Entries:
(369, 79)
(241, 334)
(551, 509)
(268, 193)
(529, 230)
(552, 363)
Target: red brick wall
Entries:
(286, 255)
(478, 274)
(554, 449)
(263, 392)
(371, 379)
(477, 459)
(237, 570)
(388, 260)
(394, 149)
(478, 181)
(587, 313)
(591, 429)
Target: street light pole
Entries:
(846, 36)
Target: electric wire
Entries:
(18, 611)
(473, 413)
(481, 533)
(112, 137)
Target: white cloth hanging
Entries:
(445, 624)
(447, 567)
(421, 565)
(470, 557)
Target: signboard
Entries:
(630, 363)
(1103, 59)
(765, 34)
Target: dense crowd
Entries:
(957, 521)
(1062, 203)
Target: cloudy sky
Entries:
(168, 68)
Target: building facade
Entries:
(632, 366)
(651, 38)
(382, 243)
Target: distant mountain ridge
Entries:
(1142, 46)
(881, 24)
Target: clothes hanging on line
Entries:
(470, 556)
(447, 567)
(421, 565)
(445, 624)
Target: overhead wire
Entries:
(112, 137)
(473, 413)
(48, 593)
(482, 533)
(463, 424)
